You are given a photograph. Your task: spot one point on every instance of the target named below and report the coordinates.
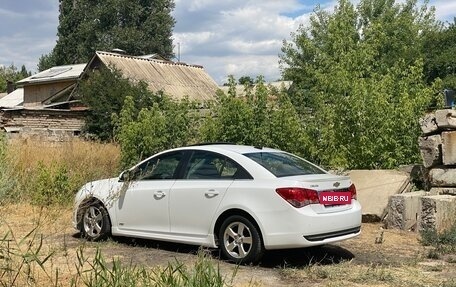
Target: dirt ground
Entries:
(397, 259)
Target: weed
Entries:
(7, 181)
(21, 257)
(97, 272)
(433, 254)
(443, 243)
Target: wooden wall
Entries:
(35, 94)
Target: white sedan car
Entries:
(241, 199)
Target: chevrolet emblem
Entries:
(336, 184)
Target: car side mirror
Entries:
(125, 175)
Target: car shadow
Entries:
(301, 257)
(292, 258)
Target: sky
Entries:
(229, 37)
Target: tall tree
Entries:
(358, 76)
(137, 26)
(440, 51)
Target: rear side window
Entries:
(283, 164)
(209, 165)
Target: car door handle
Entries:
(159, 194)
(211, 193)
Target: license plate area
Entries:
(334, 198)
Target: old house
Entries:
(42, 106)
(49, 106)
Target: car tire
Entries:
(240, 240)
(95, 224)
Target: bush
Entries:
(52, 185)
(163, 125)
(264, 117)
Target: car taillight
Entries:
(298, 197)
(352, 190)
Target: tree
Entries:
(12, 74)
(246, 80)
(439, 49)
(263, 118)
(163, 125)
(139, 27)
(358, 77)
(104, 92)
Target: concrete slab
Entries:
(449, 148)
(428, 124)
(374, 187)
(445, 118)
(442, 177)
(404, 210)
(437, 213)
(430, 149)
(443, 190)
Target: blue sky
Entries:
(238, 37)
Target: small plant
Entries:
(433, 254)
(444, 243)
(52, 185)
(20, 259)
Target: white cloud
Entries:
(236, 37)
(445, 10)
(239, 37)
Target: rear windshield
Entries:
(283, 164)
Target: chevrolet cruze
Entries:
(241, 199)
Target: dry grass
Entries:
(91, 158)
(400, 260)
(352, 274)
(41, 171)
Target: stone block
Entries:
(430, 149)
(449, 148)
(443, 190)
(428, 124)
(374, 187)
(446, 119)
(404, 210)
(442, 177)
(438, 212)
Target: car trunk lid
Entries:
(325, 183)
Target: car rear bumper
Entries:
(304, 227)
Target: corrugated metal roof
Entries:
(13, 99)
(174, 79)
(58, 73)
